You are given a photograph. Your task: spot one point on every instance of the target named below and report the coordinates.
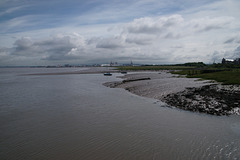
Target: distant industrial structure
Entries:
(231, 61)
(111, 64)
(115, 64)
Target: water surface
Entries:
(59, 117)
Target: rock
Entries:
(206, 99)
(135, 79)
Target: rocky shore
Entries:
(184, 93)
(210, 99)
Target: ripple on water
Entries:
(236, 128)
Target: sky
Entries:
(56, 32)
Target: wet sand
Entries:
(159, 84)
(184, 93)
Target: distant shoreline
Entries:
(184, 93)
(88, 70)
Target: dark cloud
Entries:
(210, 27)
(59, 47)
(24, 46)
(4, 54)
(110, 43)
(230, 40)
(171, 35)
(139, 40)
(207, 24)
(235, 39)
(23, 43)
(217, 56)
(237, 52)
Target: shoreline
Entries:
(90, 70)
(190, 94)
(185, 93)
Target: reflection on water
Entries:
(75, 117)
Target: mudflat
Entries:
(186, 93)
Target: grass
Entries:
(226, 77)
(153, 68)
(219, 73)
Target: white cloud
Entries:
(11, 10)
(156, 25)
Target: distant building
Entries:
(231, 61)
(227, 61)
(105, 65)
(237, 61)
(113, 63)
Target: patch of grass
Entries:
(154, 68)
(226, 77)
(227, 74)
(187, 72)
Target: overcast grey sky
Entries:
(55, 32)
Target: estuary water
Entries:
(74, 117)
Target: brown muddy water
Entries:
(59, 117)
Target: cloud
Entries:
(24, 23)
(217, 56)
(234, 39)
(61, 47)
(58, 47)
(156, 25)
(146, 31)
(110, 43)
(23, 44)
(230, 40)
(237, 52)
(148, 38)
(140, 39)
(173, 27)
(207, 24)
(11, 10)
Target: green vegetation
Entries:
(226, 77)
(225, 73)
(194, 64)
(153, 68)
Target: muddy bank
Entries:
(155, 84)
(184, 93)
